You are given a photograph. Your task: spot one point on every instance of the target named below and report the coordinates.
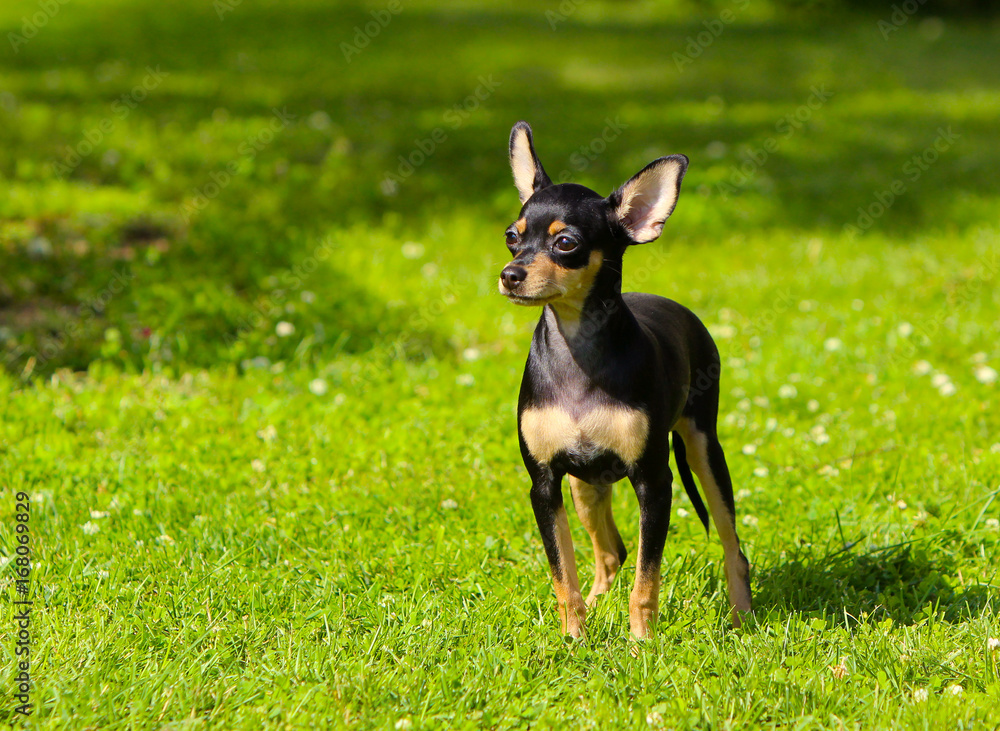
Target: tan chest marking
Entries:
(618, 429)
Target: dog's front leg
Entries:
(550, 514)
(652, 484)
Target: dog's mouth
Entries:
(518, 299)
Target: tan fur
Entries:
(572, 611)
(575, 285)
(555, 227)
(522, 164)
(521, 225)
(644, 601)
(593, 506)
(618, 429)
(695, 444)
(565, 289)
(648, 199)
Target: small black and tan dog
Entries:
(608, 378)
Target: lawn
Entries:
(260, 389)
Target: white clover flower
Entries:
(749, 448)
(920, 695)
(317, 386)
(471, 354)
(448, 504)
(993, 644)
(284, 329)
(948, 389)
(98, 514)
(788, 391)
(905, 329)
(681, 512)
(940, 379)
(985, 374)
(466, 379)
(257, 465)
(743, 493)
(922, 368)
(90, 527)
(993, 523)
(413, 250)
(268, 433)
(761, 472)
(955, 689)
(813, 405)
(833, 344)
(750, 521)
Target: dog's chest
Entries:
(584, 433)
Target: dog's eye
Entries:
(565, 243)
(511, 238)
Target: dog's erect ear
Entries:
(645, 202)
(529, 175)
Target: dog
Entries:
(609, 377)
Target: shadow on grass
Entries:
(439, 122)
(901, 583)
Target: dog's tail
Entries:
(688, 479)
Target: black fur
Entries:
(639, 351)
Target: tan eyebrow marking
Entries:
(520, 224)
(555, 227)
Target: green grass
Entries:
(237, 528)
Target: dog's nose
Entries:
(512, 276)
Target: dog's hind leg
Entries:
(704, 453)
(593, 506)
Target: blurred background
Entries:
(259, 385)
(246, 182)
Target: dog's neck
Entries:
(590, 331)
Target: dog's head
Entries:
(567, 232)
